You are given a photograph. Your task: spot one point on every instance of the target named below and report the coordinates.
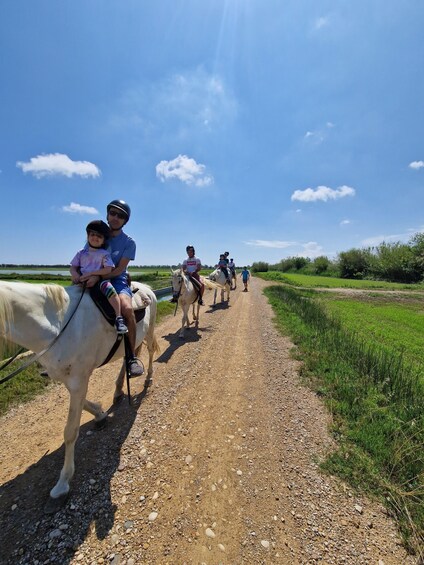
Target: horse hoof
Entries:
(100, 424)
(117, 399)
(53, 505)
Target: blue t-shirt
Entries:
(121, 246)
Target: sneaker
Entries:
(136, 367)
(120, 326)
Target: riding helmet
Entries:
(190, 247)
(120, 205)
(100, 227)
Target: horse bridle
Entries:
(38, 355)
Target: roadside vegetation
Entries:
(393, 262)
(315, 281)
(362, 352)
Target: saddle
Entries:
(108, 312)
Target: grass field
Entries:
(363, 353)
(309, 281)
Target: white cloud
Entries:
(378, 239)
(321, 22)
(273, 244)
(75, 208)
(183, 103)
(416, 165)
(184, 169)
(319, 135)
(322, 193)
(54, 164)
(345, 222)
(311, 249)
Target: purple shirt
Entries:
(89, 260)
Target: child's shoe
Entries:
(120, 326)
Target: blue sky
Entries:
(268, 128)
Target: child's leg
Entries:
(111, 294)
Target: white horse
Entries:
(32, 316)
(220, 279)
(187, 296)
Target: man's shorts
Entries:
(121, 286)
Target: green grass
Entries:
(310, 281)
(373, 385)
(397, 325)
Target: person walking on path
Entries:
(245, 276)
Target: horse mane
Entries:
(57, 295)
(6, 318)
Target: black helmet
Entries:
(100, 227)
(226, 253)
(120, 205)
(190, 247)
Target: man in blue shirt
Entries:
(122, 248)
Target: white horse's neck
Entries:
(31, 314)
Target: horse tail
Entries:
(210, 284)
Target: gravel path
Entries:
(216, 464)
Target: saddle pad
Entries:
(106, 309)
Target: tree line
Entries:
(393, 262)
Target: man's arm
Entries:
(105, 272)
(119, 269)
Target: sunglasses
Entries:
(120, 215)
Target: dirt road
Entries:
(216, 464)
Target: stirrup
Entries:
(136, 367)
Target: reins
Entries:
(38, 355)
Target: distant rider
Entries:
(232, 267)
(191, 267)
(223, 266)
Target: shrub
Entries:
(260, 267)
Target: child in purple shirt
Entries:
(95, 259)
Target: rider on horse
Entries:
(191, 267)
(232, 267)
(223, 266)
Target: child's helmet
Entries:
(100, 227)
(190, 247)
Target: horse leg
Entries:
(184, 321)
(215, 292)
(196, 315)
(95, 409)
(77, 388)
(152, 347)
(119, 384)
